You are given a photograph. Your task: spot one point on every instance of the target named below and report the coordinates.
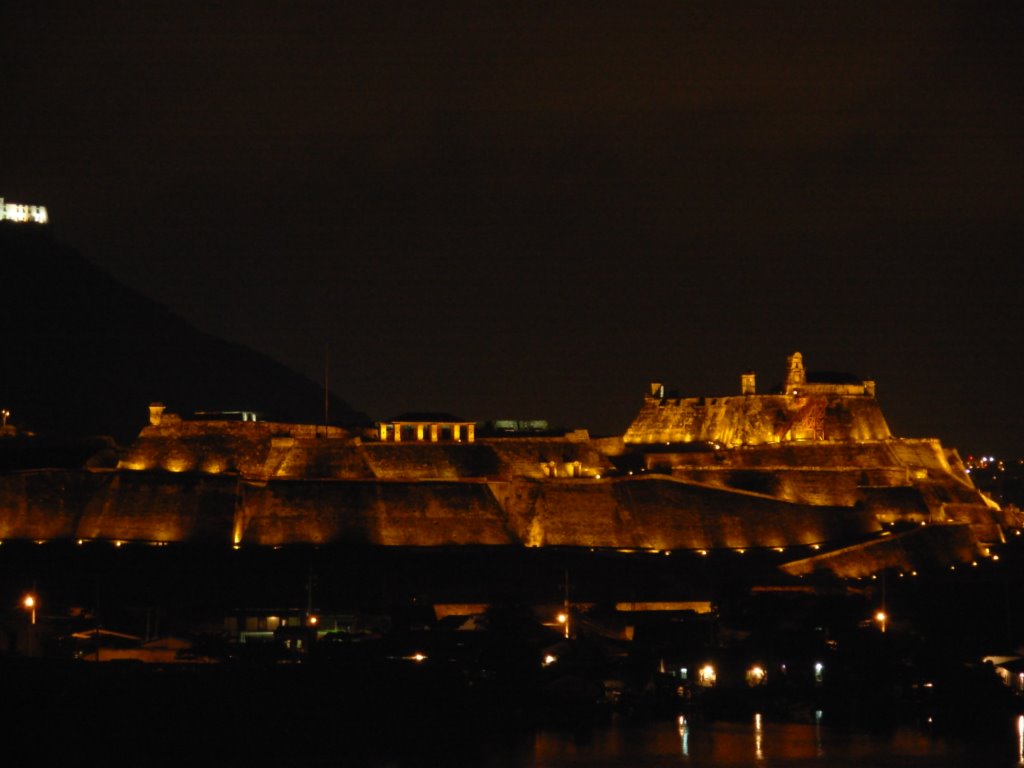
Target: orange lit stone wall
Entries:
(746, 420)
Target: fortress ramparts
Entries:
(814, 465)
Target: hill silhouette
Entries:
(83, 354)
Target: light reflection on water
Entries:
(759, 742)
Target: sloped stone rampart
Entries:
(757, 419)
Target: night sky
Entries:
(530, 210)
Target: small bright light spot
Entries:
(313, 621)
(880, 616)
(118, 543)
(756, 675)
(995, 557)
(707, 676)
(702, 552)
(779, 549)
(741, 551)
(815, 546)
(29, 601)
(418, 657)
(562, 618)
(549, 659)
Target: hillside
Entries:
(83, 354)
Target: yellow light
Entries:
(418, 657)
(880, 616)
(29, 603)
(549, 659)
(755, 675)
(313, 621)
(702, 552)
(706, 676)
(562, 618)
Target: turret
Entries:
(796, 376)
(156, 413)
(748, 383)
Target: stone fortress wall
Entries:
(813, 466)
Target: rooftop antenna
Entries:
(327, 385)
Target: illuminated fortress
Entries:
(812, 470)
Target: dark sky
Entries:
(530, 210)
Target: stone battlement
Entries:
(832, 407)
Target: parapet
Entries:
(811, 406)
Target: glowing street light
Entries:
(563, 619)
(882, 618)
(29, 604)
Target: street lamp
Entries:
(881, 618)
(29, 604)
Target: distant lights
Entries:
(707, 676)
(18, 212)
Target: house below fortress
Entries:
(812, 470)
